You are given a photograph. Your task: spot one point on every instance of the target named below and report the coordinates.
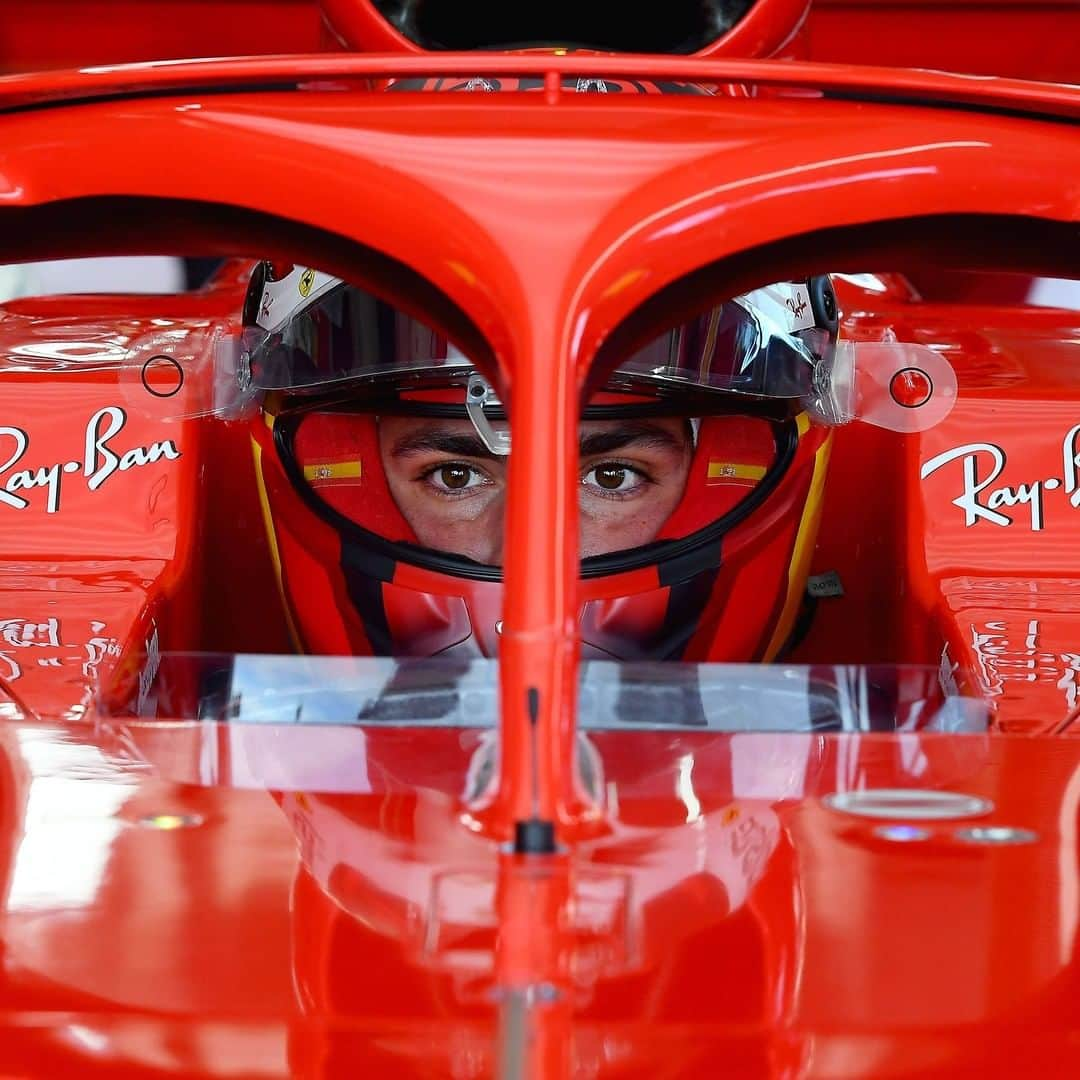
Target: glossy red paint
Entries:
(68, 33)
(1017, 38)
(353, 921)
(334, 962)
(1030, 39)
(887, 84)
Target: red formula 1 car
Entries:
(524, 558)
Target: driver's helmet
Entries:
(721, 577)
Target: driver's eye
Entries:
(611, 477)
(455, 477)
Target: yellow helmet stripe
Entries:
(710, 344)
(275, 555)
(799, 567)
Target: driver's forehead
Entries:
(659, 432)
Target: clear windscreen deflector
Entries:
(361, 725)
(464, 693)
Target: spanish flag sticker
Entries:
(725, 471)
(322, 473)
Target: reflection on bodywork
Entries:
(376, 691)
(63, 854)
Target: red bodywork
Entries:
(165, 915)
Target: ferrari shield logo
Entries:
(307, 279)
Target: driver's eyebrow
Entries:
(639, 434)
(434, 440)
(462, 444)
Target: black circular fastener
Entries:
(477, 390)
(157, 364)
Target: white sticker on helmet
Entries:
(298, 289)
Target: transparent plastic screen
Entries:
(311, 690)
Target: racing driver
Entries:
(381, 456)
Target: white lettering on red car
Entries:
(27, 634)
(983, 462)
(100, 461)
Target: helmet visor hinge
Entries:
(478, 393)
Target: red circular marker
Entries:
(911, 387)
